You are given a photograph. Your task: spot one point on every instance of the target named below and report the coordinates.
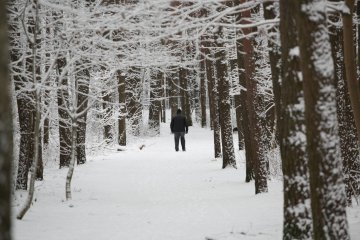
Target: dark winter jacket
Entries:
(178, 124)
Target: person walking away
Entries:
(179, 127)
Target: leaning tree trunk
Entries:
(36, 80)
(328, 199)
(122, 104)
(292, 130)
(6, 131)
(224, 103)
(83, 81)
(347, 128)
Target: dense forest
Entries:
(80, 77)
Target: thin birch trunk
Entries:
(35, 163)
(72, 160)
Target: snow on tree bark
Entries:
(243, 108)
(64, 118)
(6, 130)
(350, 64)
(210, 81)
(202, 83)
(292, 132)
(163, 95)
(83, 81)
(187, 90)
(254, 105)
(328, 200)
(25, 107)
(155, 103)
(35, 80)
(214, 105)
(108, 110)
(133, 92)
(275, 56)
(122, 106)
(347, 128)
(224, 102)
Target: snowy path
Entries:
(156, 194)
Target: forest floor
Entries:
(156, 194)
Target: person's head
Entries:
(178, 112)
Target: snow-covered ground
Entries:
(156, 194)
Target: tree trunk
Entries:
(243, 106)
(254, 108)
(244, 117)
(350, 64)
(347, 128)
(224, 103)
(64, 118)
(6, 131)
(202, 85)
(133, 92)
(83, 81)
(185, 104)
(163, 101)
(187, 92)
(328, 200)
(107, 108)
(214, 106)
(292, 130)
(36, 80)
(173, 92)
(358, 33)
(122, 103)
(274, 55)
(155, 103)
(239, 117)
(72, 161)
(25, 112)
(210, 82)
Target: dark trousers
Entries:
(178, 135)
